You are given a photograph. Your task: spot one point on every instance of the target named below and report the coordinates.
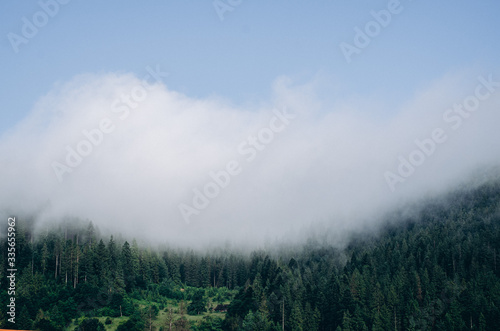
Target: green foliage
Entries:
(90, 324)
(257, 321)
(437, 268)
(198, 304)
(45, 324)
(24, 321)
(136, 322)
(209, 323)
(312, 318)
(296, 320)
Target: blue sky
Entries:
(266, 94)
(240, 57)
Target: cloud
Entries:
(127, 154)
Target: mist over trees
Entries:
(434, 269)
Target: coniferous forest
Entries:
(436, 268)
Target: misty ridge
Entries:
(432, 265)
(244, 165)
(139, 159)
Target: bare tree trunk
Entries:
(220, 276)
(170, 319)
(55, 272)
(71, 263)
(77, 262)
(283, 318)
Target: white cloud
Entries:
(326, 166)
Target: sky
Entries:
(203, 121)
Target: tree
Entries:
(296, 319)
(151, 313)
(101, 261)
(453, 318)
(45, 257)
(347, 322)
(436, 270)
(46, 324)
(24, 321)
(57, 318)
(204, 273)
(482, 322)
(57, 256)
(169, 320)
(311, 318)
(198, 304)
(129, 268)
(90, 324)
(90, 234)
(378, 324)
(182, 324)
(134, 323)
(209, 323)
(257, 321)
(358, 322)
(43, 322)
(113, 256)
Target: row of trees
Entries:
(72, 256)
(434, 270)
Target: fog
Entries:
(140, 159)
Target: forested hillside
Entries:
(433, 270)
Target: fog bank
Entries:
(138, 158)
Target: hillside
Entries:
(432, 269)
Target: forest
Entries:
(434, 268)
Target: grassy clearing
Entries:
(160, 320)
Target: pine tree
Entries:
(56, 317)
(378, 324)
(482, 322)
(45, 257)
(296, 319)
(347, 322)
(169, 320)
(24, 321)
(129, 271)
(113, 256)
(453, 317)
(57, 256)
(135, 258)
(204, 273)
(312, 318)
(90, 234)
(101, 262)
